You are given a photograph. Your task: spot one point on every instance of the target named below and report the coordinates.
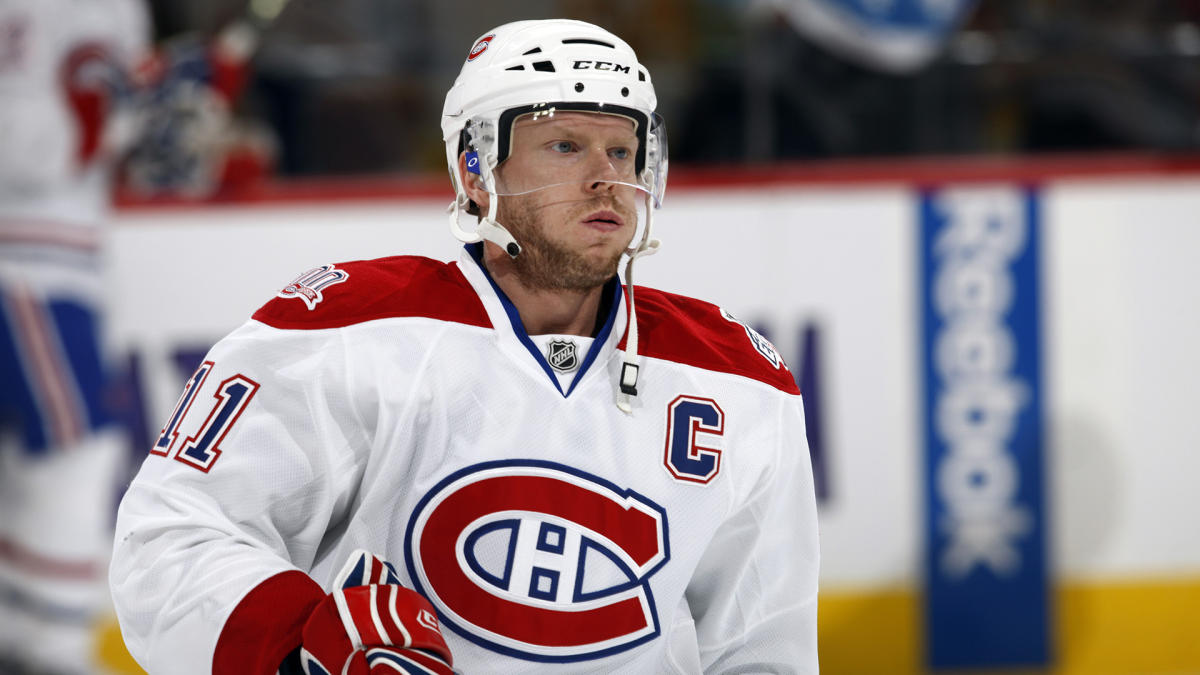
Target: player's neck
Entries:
(548, 311)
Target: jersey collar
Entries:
(503, 312)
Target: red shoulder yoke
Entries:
(697, 333)
(342, 294)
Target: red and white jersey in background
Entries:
(61, 64)
(398, 406)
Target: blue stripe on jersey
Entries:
(602, 336)
(19, 599)
(79, 332)
(613, 288)
(75, 327)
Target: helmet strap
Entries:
(496, 233)
(627, 379)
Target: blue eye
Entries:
(621, 153)
(563, 147)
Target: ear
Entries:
(472, 184)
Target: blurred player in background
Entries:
(403, 465)
(83, 97)
(65, 70)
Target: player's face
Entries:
(572, 234)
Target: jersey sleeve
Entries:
(255, 464)
(754, 593)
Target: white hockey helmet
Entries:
(538, 68)
(541, 67)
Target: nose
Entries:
(601, 172)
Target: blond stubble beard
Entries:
(546, 265)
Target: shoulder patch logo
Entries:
(761, 344)
(563, 356)
(308, 286)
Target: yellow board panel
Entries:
(1130, 627)
(111, 654)
(1112, 628)
(869, 633)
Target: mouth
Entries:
(604, 220)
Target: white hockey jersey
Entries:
(63, 64)
(398, 405)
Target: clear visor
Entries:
(570, 152)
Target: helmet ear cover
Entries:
(464, 143)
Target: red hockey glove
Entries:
(92, 80)
(373, 626)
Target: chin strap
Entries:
(630, 361)
(488, 229)
(495, 232)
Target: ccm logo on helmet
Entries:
(601, 65)
(538, 560)
(480, 47)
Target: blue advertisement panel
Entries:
(896, 35)
(986, 586)
(933, 19)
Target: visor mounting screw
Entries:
(625, 91)
(578, 86)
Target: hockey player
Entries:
(64, 66)
(565, 472)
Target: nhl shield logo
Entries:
(563, 356)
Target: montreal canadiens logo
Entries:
(539, 560)
(480, 47)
